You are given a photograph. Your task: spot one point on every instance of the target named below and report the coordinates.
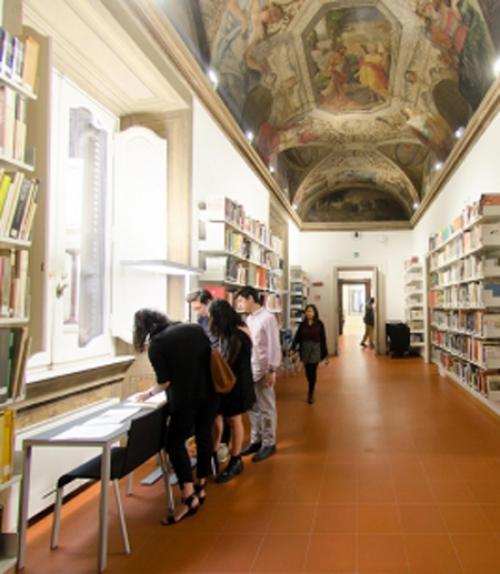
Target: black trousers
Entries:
(311, 370)
(180, 428)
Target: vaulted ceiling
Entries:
(354, 105)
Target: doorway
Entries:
(352, 295)
(353, 287)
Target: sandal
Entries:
(192, 507)
(199, 488)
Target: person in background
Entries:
(369, 321)
(310, 339)
(266, 358)
(235, 345)
(180, 356)
(200, 301)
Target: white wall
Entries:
(319, 252)
(219, 170)
(479, 173)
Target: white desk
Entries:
(51, 438)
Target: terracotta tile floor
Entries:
(393, 470)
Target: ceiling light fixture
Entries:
(496, 67)
(271, 169)
(415, 204)
(438, 165)
(249, 136)
(459, 132)
(295, 206)
(212, 76)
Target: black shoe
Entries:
(264, 452)
(233, 469)
(310, 398)
(363, 344)
(251, 448)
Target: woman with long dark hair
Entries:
(227, 325)
(180, 356)
(310, 339)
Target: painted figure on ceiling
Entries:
(373, 68)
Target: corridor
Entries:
(392, 470)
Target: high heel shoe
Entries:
(191, 502)
(198, 489)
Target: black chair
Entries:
(145, 438)
(398, 334)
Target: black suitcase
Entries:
(399, 338)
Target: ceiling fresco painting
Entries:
(349, 102)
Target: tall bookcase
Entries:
(299, 293)
(464, 300)
(237, 250)
(18, 205)
(414, 302)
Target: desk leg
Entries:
(23, 511)
(103, 508)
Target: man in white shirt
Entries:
(266, 358)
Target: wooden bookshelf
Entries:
(237, 251)
(414, 302)
(464, 300)
(18, 205)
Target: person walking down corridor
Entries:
(310, 339)
(369, 321)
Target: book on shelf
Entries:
(6, 445)
(19, 58)
(13, 121)
(14, 283)
(14, 348)
(17, 210)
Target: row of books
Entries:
(19, 58)
(18, 203)
(487, 205)
(225, 209)
(467, 295)
(487, 235)
(14, 283)
(228, 268)
(474, 267)
(415, 324)
(13, 121)
(14, 349)
(478, 323)
(484, 381)
(483, 353)
(7, 428)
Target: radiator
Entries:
(47, 465)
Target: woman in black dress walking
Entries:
(180, 356)
(310, 338)
(236, 347)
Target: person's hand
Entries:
(141, 397)
(270, 379)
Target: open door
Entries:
(337, 303)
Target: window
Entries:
(79, 243)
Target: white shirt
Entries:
(266, 350)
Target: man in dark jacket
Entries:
(369, 321)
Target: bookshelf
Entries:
(299, 292)
(464, 300)
(18, 205)
(237, 250)
(414, 302)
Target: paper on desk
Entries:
(113, 416)
(155, 400)
(88, 431)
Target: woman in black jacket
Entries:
(235, 344)
(180, 356)
(310, 338)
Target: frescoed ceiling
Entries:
(353, 104)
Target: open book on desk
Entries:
(153, 402)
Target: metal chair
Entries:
(145, 439)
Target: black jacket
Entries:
(180, 354)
